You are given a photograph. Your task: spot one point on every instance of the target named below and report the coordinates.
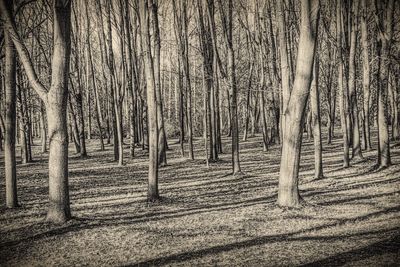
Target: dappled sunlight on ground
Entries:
(207, 216)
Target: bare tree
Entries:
(55, 100)
(227, 24)
(145, 9)
(288, 193)
(385, 32)
(10, 118)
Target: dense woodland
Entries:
(141, 75)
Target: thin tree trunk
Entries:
(162, 154)
(10, 119)
(43, 134)
(366, 76)
(356, 145)
(284, 59)
(152, 194)
(384, 42)
(316, 121)
(342, 89)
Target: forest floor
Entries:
(207, 216)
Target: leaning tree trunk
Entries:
(10, 120)
(288, 192)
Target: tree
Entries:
(145, 8)
(55, 100)
(341, 87)
(316, 120)
(356, 145)
(10, 118)
(181, 31)
(227, 24)
(385, 32)
(284, 60)
(162, 147)
(366, 75)
(288, 193)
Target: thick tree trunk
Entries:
(288, 193)
(59, 206)
(56, 103)
(10, 119)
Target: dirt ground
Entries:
(207, 216)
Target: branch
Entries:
(22, 51)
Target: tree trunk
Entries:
(22, 121)
(227, 21)
(288, 193)
(342, 89)
(285, 72)
(356, 145)
(366, 76)
(393, 104)
(55, 101)
(43, 133)
(385, 27)
(10, 119)
(316, 121)
(152, 194)
(248, 112)
(162, 153)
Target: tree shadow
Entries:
(270, 239)
(387, 246)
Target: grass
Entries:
(207, 216)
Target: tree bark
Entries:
(366, 76)
(288, 193)
(384, 42)
(342, 89)
(284, 59)
(10, 119)
(316, 121)
(162, 149)
(227, 21)
(356, 145)
(55, 100)
(152, 194)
